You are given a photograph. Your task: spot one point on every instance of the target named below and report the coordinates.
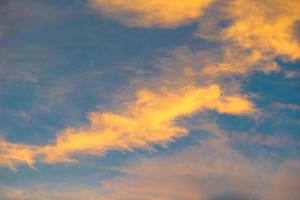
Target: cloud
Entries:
(148, 120)
(263, 140)
(239, 61)
(49, 192)
(149, 13)
(252, 34)
(291, 74)
(13, 154)
(206, 172)
(285, 184)
(151, 119)
(280, 106)
(214, 64)
(211, 170)
(266, 26)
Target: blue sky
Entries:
(112, 100)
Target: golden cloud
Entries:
(12, 154)
(254, 34)
(151, 119)
(210, 65)
(238, 61)
(148, 13)
(267, 26)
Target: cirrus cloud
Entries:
(151, 119)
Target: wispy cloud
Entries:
(13, 154)
(209, 171)
(262, 139)
(151, 119)
(266, 26)
(149, 13)
(216, 63)
(50, 192)
(287, 106)
(148, 120)
(212, 170)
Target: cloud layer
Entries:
(211, 170)
(206, 172)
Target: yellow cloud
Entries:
(239, 61)
(233, 105)
(151, 119)
(267, 26)
(148, 120)
(148, 13)
(186, 65)
(12, 154)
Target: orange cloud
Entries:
(256, 33)
(151, 119)
(186, 65)
(267, 26)
(238, 61)
(148, 13)
(148, 120)
(12, 154)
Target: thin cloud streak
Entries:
(151, 119)
(149, 13)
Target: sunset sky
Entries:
(149, 100)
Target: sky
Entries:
(149, 100)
